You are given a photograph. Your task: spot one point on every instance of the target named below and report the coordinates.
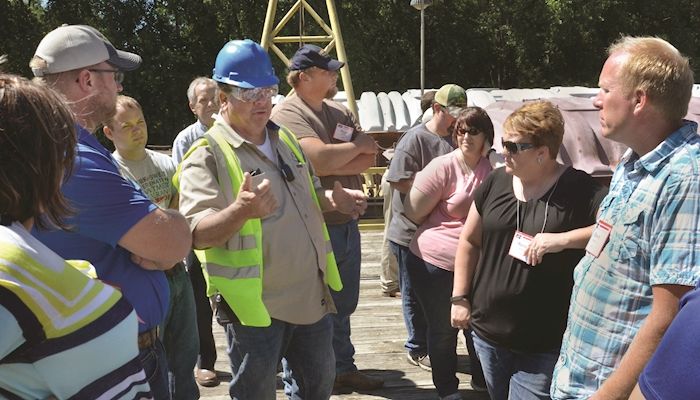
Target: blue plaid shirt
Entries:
(654, 208)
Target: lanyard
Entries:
(546, 209)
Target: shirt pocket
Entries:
(628, 241)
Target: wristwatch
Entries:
(455, 299)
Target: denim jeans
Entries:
(416, 344)
(475, 369)
(433, 288)
(345, 239)
(207, 347)
(514, 375)
(255, 352)
(156, 367)
(179, 335)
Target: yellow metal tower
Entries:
(332, 39)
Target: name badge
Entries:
(343, 132)
(599, 237)
(518, 247)
(388, 154)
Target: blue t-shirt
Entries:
(673, 371)
(106, 207)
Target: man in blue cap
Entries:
(338, 151)
(255, 207)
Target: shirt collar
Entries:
(200, 127)
(655, 159)
(237, 140)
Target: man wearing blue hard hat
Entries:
(255, 208)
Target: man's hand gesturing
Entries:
(258, 202)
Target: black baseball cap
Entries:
(310, 55)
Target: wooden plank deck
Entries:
(378, 333)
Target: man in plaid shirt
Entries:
(645, 251)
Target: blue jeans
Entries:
(156, 367)
(476, 371)
(433, 288)
(416, 344)
(345, 239)
(513, 375)
(179, 335)
(207, 346)
(255, 352)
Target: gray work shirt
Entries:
(413, 152)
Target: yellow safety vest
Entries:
(62, 299)
(238, 274)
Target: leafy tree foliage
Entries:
(476, 43)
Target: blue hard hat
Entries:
(245, 64)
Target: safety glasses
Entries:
(515, 148)
(255, 94)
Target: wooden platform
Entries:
(378, 333)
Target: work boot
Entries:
(357, 380)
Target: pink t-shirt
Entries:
(436, 239)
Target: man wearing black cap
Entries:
(338, 151)
(116, 227)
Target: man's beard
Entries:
(105, 111)
(330, 94)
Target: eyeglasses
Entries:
(467, 131)
(514, 148)
(118, 75)
(254, 94)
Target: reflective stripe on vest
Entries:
(62, 298)
(238, 274)
(332, 274)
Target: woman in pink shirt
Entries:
(438, 203)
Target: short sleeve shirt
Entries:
(448, 179)
(107, 206)
(294, 248)
(304, 122)
(416, 148)
(655, 239)
(515, 305)
(153, 175)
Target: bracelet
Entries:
(455, 299)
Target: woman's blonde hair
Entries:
(539, 121)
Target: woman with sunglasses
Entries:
(62, 333)
(438, 204)
(525, 232)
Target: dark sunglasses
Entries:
(118, 75)
(514, 148)
(468, 131)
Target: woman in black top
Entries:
(525, 232)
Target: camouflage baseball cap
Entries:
(453, 98)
